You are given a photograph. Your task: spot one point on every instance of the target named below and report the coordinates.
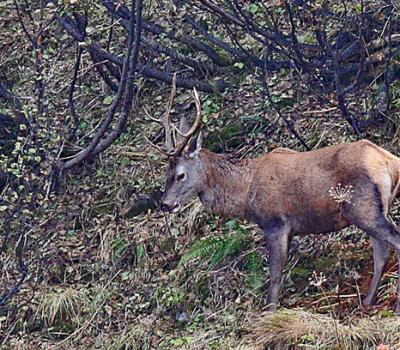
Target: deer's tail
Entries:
(397, 189)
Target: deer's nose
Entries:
(164, 204)
(172, 207)
(164, 207)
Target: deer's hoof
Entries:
(368, 301)
(397, 308)
(272, 307)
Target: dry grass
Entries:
(298, 329)
(130, 339)
(62, 305)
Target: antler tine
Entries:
(166, 117)
(160, 149)
(165, 122)
(194, 127)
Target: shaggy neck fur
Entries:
(227, 184)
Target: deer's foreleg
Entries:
(278, 238)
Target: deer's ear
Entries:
(194, 146)
(183, 128)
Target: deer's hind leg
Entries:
(368, 211)
(387, 231)
(381, 257)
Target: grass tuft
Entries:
(62, 305)
(297, 329)
(131, 338)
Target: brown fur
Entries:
(253, 189)
(287, 192)
(282, 150)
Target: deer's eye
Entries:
(181, 177)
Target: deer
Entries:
(287, 193)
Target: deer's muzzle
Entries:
(172, 207)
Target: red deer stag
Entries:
(287, 192)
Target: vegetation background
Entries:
(87, 258)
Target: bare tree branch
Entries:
(127, 71)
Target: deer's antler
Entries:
(170, 148)
(186, 136)
(165, 121)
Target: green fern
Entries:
(255, 279)
(217, 248)
(254, 262)
(203, 248)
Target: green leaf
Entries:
(140, 251)
(387, 313)
(107, 100)
(231, 224)
(239, 65)
(253, 8)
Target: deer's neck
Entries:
(227, 184)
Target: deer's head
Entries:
(185, 177)
(185, 173)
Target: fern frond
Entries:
(254, 262)
(255, 279)
(233, 244)
(205, 247)
(216, 249)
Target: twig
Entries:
(72, 134)
(288, 124)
